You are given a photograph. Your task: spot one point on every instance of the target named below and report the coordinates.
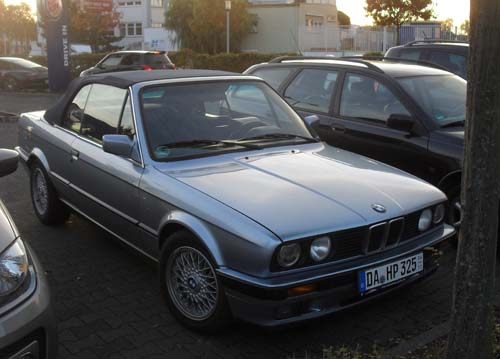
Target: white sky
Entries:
(458, 10)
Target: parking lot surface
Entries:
(108, 303)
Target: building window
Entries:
(157, 25)
(314, 23)
(130, 3)
(327, 2)
(131, 29)
(156, 3)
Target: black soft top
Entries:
(55, 114)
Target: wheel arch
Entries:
(38, 155)
(449, 181)
(177, 221)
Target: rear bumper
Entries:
(267, 303)
(30, 326)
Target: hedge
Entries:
(234, 62)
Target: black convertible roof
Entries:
(55, 114)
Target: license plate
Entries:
(390, 272)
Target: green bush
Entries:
(233, 62)
(373, 54)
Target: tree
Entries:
(344, 19)
(447, 25)
(17, 26)
(472, 321)
(201, 24)
(398, 12)
(465, 27)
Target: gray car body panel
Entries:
(241, 206)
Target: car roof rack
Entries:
(397, 59)
(358, 60)
(434, 41)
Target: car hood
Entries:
(8, 232)
(297, 193)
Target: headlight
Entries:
(13, 268)
(288, 255)
(425, 220)
(439, 213)
(320, 249)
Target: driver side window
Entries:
(366, 98)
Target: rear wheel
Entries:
(48, 208)
(190, 286)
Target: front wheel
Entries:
(11, 84)
(190, 286)
(48, 208)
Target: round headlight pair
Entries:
(13, 268)
(289, 254)
(427, 217)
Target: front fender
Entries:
(35, 154)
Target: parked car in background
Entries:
(18, 74)
(131, 61)
(213, 175)
(407, 115)
(27, 324)
(452, 55)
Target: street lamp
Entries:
(228, 10)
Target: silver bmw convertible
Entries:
(217, 178)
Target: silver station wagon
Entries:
(217, 178)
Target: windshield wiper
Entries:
(197, 143)
(454, 124)
(279, 136)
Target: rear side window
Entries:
(366, 98)
(74, 113)
(111, 61)
(102, 111)
(453, 62)
(273, 76)
(157, 61)
(312, 90)
(410, 54)
(131, 59)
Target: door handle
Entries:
(338, 128)
(75, 155)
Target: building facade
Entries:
(285, 26)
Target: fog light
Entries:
(320, 248)
(425, 220)
(439, 212)
(289, 255)
(303, 289)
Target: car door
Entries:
(311, 93)
(106, 184)
(363, 107)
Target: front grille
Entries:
(411, 226)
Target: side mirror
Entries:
(312, 120)
(401, 122)
(120, 145)
(8, 162)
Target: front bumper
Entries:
(29, 326)
(266, 302)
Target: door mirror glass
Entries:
(120, 145)
(312, 120)
(8, 162)
(400, 122)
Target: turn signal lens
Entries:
(303, 289)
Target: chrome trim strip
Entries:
(104, 204)
(108, 230)
(149, 229)
(62, 179)
(29, 291)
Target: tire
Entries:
(214, 315)
(46, 204)
(11, 84)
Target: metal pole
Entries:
(228, 28)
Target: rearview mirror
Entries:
(311, 120)
(119, 145)
(400, 122)
(8, 162)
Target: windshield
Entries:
(442, 97)
(202, 119)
